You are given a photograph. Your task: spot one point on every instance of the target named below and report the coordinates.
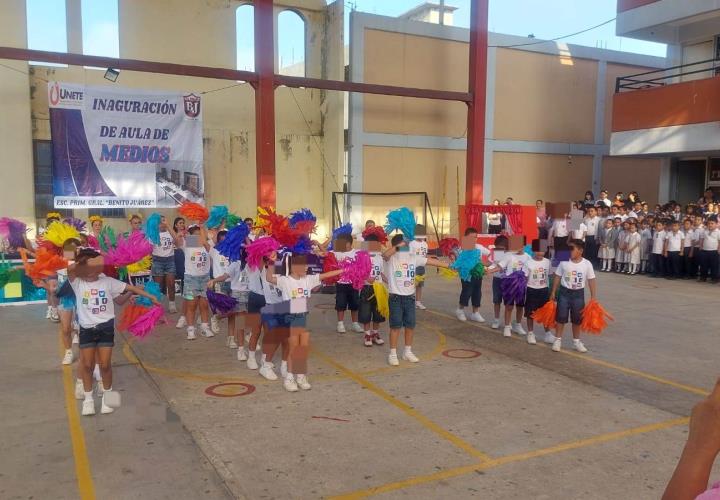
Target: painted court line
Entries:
(408, 410)
(519, 457)
(599, 362)
(86, 486)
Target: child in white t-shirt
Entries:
(657, 261)
(197, 276)
(645, 246)
(537, 271)
(499, 249)
(400, 268)
(471, 290)
(163, 262)
(236, 278)
(509, 264)
(298, 286)
(420, 247)
(95, 294)
(220, 264)
(634, 241)
(673, 250)
(571, 278)
(346, 297)
(368, 314)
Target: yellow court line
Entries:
(408, 410)
(606, 364)
(86, 486)
(519, 457)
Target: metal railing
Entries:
(660, 77)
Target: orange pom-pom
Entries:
(546, 314)
(194, 211)
(47, 263)
(594, 318)
(130, 313)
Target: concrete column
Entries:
(73, 22)
(664, 184)
(600, 102)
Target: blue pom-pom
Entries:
(231, 247)
(153, 289)
(302, 247)
(302, 215)
(403, 220)
(528, 250)
(344, 229)
(218, 213)
(465, 262)
(152, 228)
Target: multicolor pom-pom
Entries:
(218, 213)
(594, 318)
(546, 315)
(235, 240)
(401, 219)
(259, 249)
(14, 230)
(303, 221)
(194, 211)
(152, 228)
(465, 262)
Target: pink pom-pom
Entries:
(129, 250)
(146, 323)
(260, 248)
(357, 270)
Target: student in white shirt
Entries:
(297, 286)
(163, 262)
(673, 250)
(499, 250)
(593, 226)
(657, 262)
(420, 247)
(645, 246)
(197, 276)
(400, 267)
(510, 263)
(709, 257)
(571, 278)
(220, 264)
(95, 294)
(346, 297)
(236, 279)
(688, 248)
(537, 271)
(471, 290)
(368, 314)
(634, 241)
(558, 235)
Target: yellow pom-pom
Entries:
(140, 266)
(382, 298)
(448, 274)
(58, 233)
(419, 279)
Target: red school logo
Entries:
(191, 104)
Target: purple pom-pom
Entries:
(78, 224)
(220, 303)
(513, 288)
(231, 247)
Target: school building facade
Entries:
(673, 113)
(548, 120)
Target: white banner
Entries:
(117, 147)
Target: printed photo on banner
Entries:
(116, 147)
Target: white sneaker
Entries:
(460, 314)
(182, 323)
(191, 333)
(242, 354)
(88, 407)
(557, 345)
(477, 317)
(517, 328)
(172, 309)
(303, 383)
(393, 360)
(47, 314)
(105, 409)
(495, 324)
(377, 339)
(341, 327)
(531, 338)
(54, 315)
(205, 331)
(251, 361)
(79, 389)
(289, 384)
(76, 339)
(230, 342)
(409, 356)
(267, 371)
(420, 305)
(368, 342)
(507, 331)
(283, 369)
(549, 337)
(579, 346)
(68, 358)
(357, 327)
(214, 324)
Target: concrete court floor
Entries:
(510, 421)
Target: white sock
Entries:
(393, 352)
(203, 324)
(290, 376)
(408, 348)
(68, 351)
(105, 390)
(251, 353)
(575, 341)
(88, 396)
(283, 365)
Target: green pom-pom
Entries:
(478, 271)
(232, 220)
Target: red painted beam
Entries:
(265, 102)
(126, 64)
(369, 88)
(477, 85)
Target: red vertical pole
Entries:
(477, 86)
(265, 102)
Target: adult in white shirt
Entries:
(571, 278)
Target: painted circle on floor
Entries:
(230, 390)
(461, 353)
